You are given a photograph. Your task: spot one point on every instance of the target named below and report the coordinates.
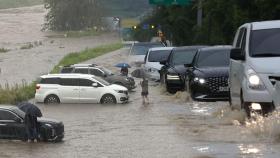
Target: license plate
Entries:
(223, 89)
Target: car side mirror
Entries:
(237, 54)
(94, 84)
(188, 65)
(163, 62)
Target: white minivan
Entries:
(255, 67)
(78, 88)
(152, 61)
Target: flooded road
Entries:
(170, 126)
(21, 27)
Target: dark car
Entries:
(173, 73)
(12, 126)
(207, 78)
(102, 72)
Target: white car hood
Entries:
(268, 65)
(117, 87)
(155, 65)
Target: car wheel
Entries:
(52, 99)
(108, 99)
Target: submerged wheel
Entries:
(52, 99)
(108, 99)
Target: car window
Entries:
(6, 115)
(102, 81)
(96, 72)
(69, 82)
(81, 70)
(213, 58)
(181, 57)
(143, 49)
(66, 70)
(85, 82)
(265, 43)
(239, 38)
(158, 55)
(49, 81)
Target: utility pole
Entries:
(199, 13)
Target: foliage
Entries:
(4, 4)
(220, 20)
(87, 54)
(72, 14)
(4, 50)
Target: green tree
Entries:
(72, 14)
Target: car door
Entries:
(88, 92)
(237, 68)
(11, 126)
(69, 90)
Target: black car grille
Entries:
(214, 83)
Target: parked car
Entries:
(12, 126)
(207, 78)
(102, 72)
(78, 88)
(152, 61)
(254, 66)
(173, 71)
(139, 50)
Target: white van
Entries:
(78, 88)
(152, 61)
(255, 66)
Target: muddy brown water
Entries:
(170, 126)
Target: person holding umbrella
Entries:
(30, 120)
(124, 68)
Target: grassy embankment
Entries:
(18, 93)
(4, 4)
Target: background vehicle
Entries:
(207, 77)
(78, 88)
(139, 50)
(13, 127)
(102, 72)
(152, 61)
(173, 73)
(254, 66)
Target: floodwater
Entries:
(170, 126)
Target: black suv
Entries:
(172, 74)
(13, 127)
(207, 78)
(102, 72)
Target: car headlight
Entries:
(173, 77)
(152, 70)
(199, 80)
(120, 91)
(254, 81)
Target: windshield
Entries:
(158, 55)
(181, 57)
(100, 80)
(143, 49)
(213, 58)
(265, 43)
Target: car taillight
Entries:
(37, 87)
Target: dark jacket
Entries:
(30, 121)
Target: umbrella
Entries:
(122, 65)
(139, 73)
(29, 108)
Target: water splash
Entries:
(182, 96)
(227, 116)
(267, 128)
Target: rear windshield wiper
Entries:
(266, 55)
